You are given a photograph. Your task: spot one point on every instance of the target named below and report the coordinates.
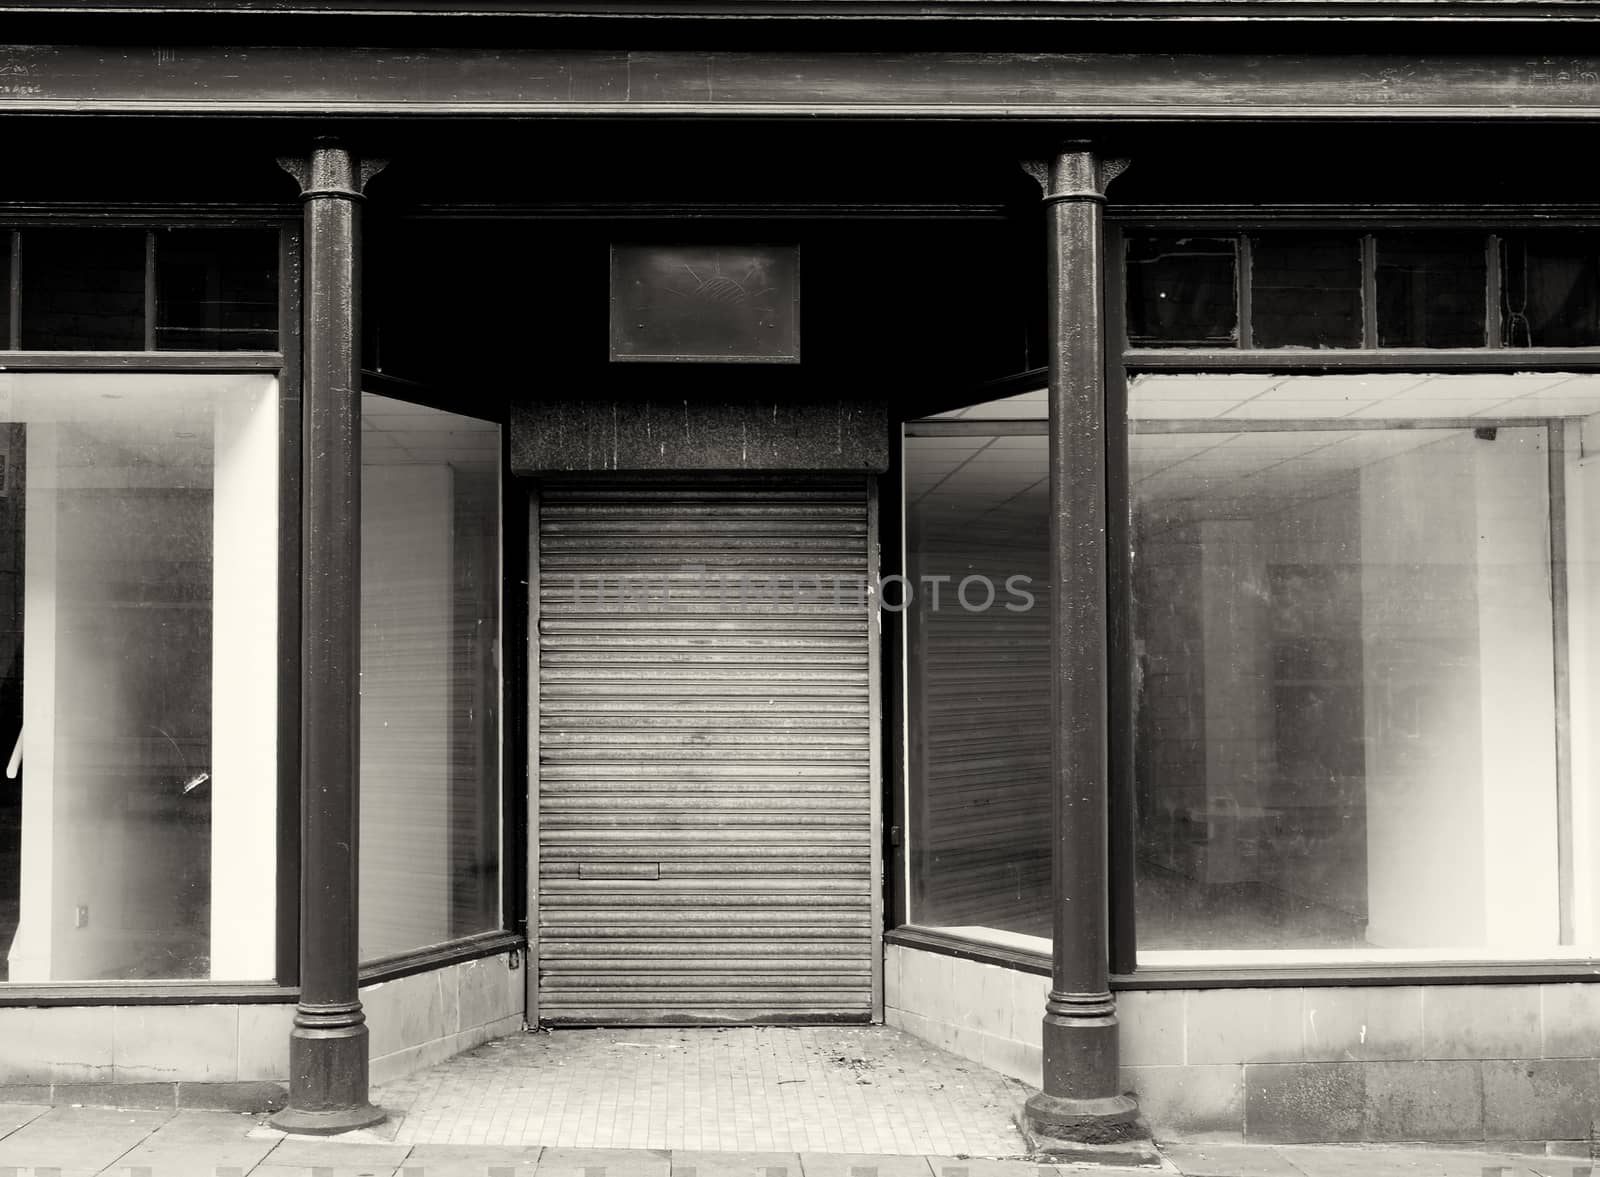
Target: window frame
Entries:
(1125, 362)
(511, 935)
(284, 364)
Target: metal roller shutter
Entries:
(706, 817)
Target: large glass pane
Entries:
(139, 649)
(1347, 733)
(83, 289)
(1552, 290)
(1432, 290)
(430, 676)
(978, 666)
(1181, 291)
(1305, 290)
(217, 289)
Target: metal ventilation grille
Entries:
(706, 819)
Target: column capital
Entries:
(1075, 172)
(330, 169)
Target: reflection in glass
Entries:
(1181, 291)
(138, 645)
(83, 289)
(1346, 713)
(1305, 290)
(430, 677)
(1552, 291)
(1431, 291)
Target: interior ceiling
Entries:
(395, 433)
(1366, 396)
(997, 484)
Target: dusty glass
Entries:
(430, 676)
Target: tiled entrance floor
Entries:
(858, 1089)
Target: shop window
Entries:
(1430, 290)
(101, 289)
(430, 677)
(1365, 618)
(1552, 290)
(1181, 291)
(139, 655)
(1349, 722)
(1305, 290)
(216, 290)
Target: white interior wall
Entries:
(1517, 689)
(1423, 703)
(1459, 696)
(244, 686)
(1583, 627)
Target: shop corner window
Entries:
(430, 677)
(138, 672)
(119, 289)
(1365, 616)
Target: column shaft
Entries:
(328, 1047)
(1081, 1099)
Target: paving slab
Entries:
(823, 1164)
(78, 1139)
(691, 1163)
(427, 1154)
(982, 1167)
(1230, 1160)
(604, 1162)
(198, 1144)
(471, 1160)
(1359, 1161)
(15, 1115)
(325, 1152)
(809, 1089)
(322, 1171)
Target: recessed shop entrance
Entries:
(703, 835)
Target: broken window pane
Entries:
(1552, 290)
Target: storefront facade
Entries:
(1028, 524)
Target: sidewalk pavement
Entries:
(83, 1141)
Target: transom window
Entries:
(163, 289)
(1338, 289)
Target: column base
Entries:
(328, 1072)
(329, 1123)
(1084, 1121)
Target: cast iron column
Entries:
(1082, 1099)
(328, 1048)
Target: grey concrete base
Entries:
(234, 1096)
(1129, 1154)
